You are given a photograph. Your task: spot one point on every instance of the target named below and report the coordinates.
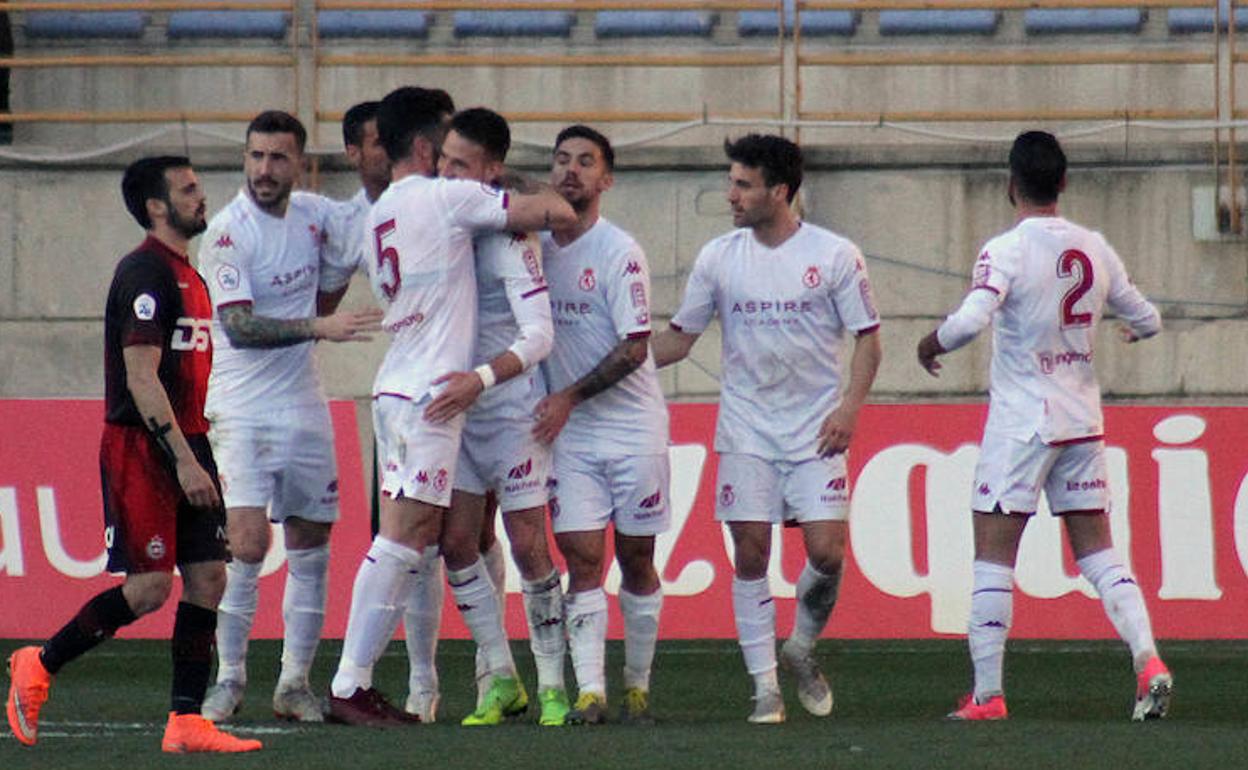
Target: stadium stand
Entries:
(609, 24)
(960, 22)
(352, 24)
(1065, 21)
(814, 23)
(1189, 20)
(76, 25)
(513, 23)
(228, 24)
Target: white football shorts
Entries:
(1012, 473)
(503, 456)
(588, 491)
(283, 459)
(416, 458)
(752, 488)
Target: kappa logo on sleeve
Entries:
(632, 268)
(228, 277)
(145, 307)
(224, 242)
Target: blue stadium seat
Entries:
(1065, 21)
(197, 24)
(373, 24)
(653, 23)
(1184, 20)
(964, 22)
(814, 23)
(60, 24)
(513, 23)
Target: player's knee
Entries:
(148, 593)
(826, 563)
(249, 550)
(205, 586)
(459, 548)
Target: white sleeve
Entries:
(628, 293)
(852, 295)
(1127, 301)
(474, 206)
(527, 294)
(344, 244)
(225, 263)
(698, 307)
(969, 319)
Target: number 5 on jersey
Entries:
(388, 276)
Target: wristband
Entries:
(486, 373)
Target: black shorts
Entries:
(149, 525)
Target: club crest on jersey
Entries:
(727, 496)
(145, 307)
(811, 278)
(587, 281)
(224, 242)
(228, 277)
(155, 548)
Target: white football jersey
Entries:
(511, 294)
(347, 222)
(1053, 280)
(420, 266)
(600, 295)
(786, 315)
(250, 256)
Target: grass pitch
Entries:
(1070, 706)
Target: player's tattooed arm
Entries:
(247, 330)
(622, 361)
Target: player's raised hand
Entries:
(197, 484)
(348, 325)
(929, 349)
(836, 431)
(552, 414)
(461, 391)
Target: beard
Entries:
(188, 227)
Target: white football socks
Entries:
(586, 617)
(641, 634)
(496, 565)
(992, 612)
(422, 622)
(543, 608)
(755, 613)
(376, 601)
(1123, 601)
(474, 595)
(303, 612)
(235, 614)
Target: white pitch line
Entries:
(76, 729)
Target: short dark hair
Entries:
(580, 131)
(779, 159)
(353, 122)
(486, 128)
(1038, 166)
(278, 122)
(408, 112)
(145, 180)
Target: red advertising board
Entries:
(1179, 477)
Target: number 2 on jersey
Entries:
(388, 276)
(1074, 263)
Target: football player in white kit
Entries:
(271, 429)
(606, 408)
(1043, 286)
(789, 295)
(421, 269)
(499, 455)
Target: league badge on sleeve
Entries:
(227, 277)
(145, 307)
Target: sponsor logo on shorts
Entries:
(228, 277)
(835, 491)
(522, 470)
(331, 493)
(727, 496)
(837, 484)
(155, 548)
(652, 501)
(1083, 486)
(145, 307)
(811, 278)
(587, 282)
(984, 489)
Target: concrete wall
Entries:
(919, 216)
